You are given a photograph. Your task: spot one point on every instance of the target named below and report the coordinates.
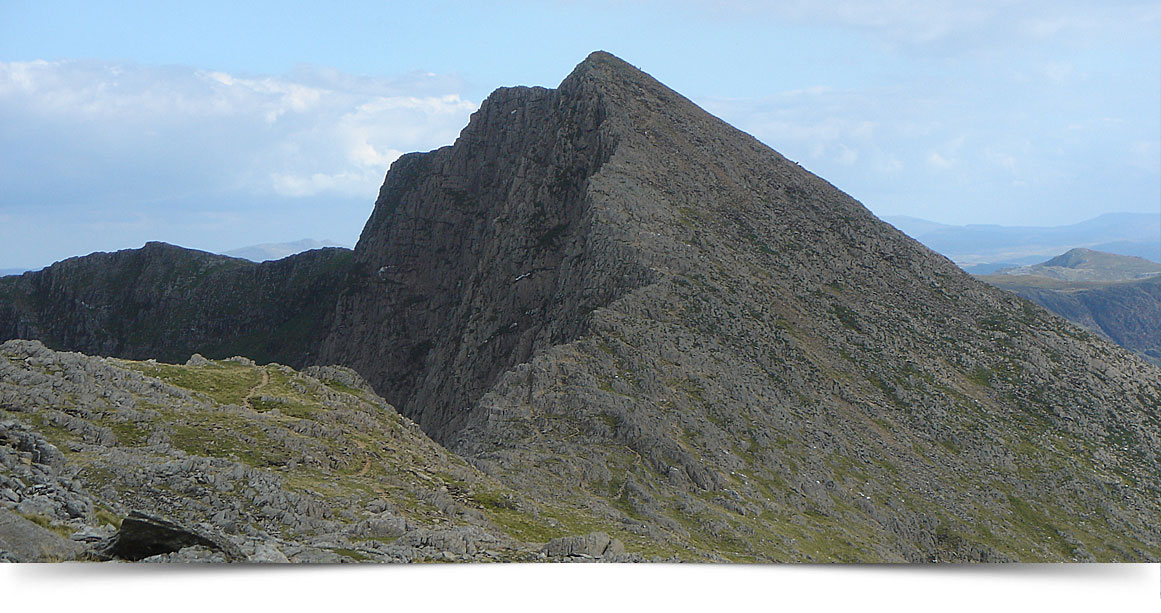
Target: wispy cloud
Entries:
(196, 129)
(953, 26)
(1006, 148)
(119, 140)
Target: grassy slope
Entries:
(323, 439)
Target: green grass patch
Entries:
(493, 500)
(48, 524)
(346, 389)
(129, 434)
(846, 317)
(218, 443)
(357, 556)
(1038, 526)
(981, 376)
(224, 382)
(106, 516)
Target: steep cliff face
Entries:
(481, 253)
(794, 379)
(631, 312)
(166, 302)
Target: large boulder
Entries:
(142, 536)
(22, 540)
(595, 545)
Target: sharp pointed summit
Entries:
(618, 304)
(563, 200)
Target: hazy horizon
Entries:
(230, 126)
(236, 251)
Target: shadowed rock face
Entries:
(141, 535)
(166, 302)
(621, 306)
(481, 253)
(1127, 312)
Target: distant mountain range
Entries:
(276, 251)
(985, 249)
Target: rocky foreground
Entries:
(225, 461)
(617, 314)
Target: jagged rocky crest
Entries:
(631, 313)
(166, 302)
(479, 254)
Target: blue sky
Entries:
(217, 125)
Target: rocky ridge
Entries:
(649, 324)
(166, 302)
(219, 461)
(794, 380)
(479, 254)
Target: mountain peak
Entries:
(1081, 264)
(623, 89)
(603, 64)
(602, 58)
(1072, 258)
(615, 300)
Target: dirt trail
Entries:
(254, 390)
(366, 462)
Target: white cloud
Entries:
(924, 28)
(1146, 155)
(182, 130)
(1058, 72)
(917, 20)
(309, 185)
(1004, 160)
(886, 164)
(101, 155)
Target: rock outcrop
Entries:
(644, 322)
(227, 461)
(142, 536)
(24, 540)
(594, 546)
(166, 302)
(480, 254)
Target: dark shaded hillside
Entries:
(479, 254)
(1128, 312)
(636, 315)
(166, 302)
